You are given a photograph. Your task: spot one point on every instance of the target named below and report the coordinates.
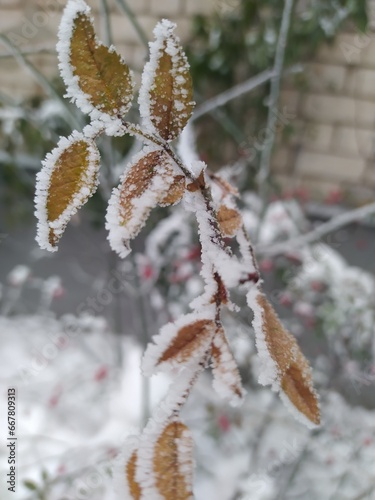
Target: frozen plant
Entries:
(158, 464)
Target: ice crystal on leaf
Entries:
(67, 180)
(165, 97)
(96, 77)
(159, 464)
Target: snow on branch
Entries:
(159, 464)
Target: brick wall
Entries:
(333, 144)
(333, 147)
(33, 24)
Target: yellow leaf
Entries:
(173, 462)
(229, 219)
(67, 180)
(130, 469)
(166, 94)
(103, 77)
(293, 369)
(188, 341)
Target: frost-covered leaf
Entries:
(67, 180)
(97, 79)
(165, 97)
(179, 343)
(296, 384)
(145, 184)
(130, 470)
(283, 364)
(230, 220)
(173, 462)
(176, 192)
(226, 376)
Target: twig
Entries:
(265, 160)
(30, 52)
(41, 79)
(239, 90)
(314, 235)
(106, 22)
(132, 18)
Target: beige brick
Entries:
(361, 82)
(10, 20)
(318, 137)
(183, 29)
(282, 160)
(339, 110)
(166, 8)
(354, 142)
(203, 6)
(326, 77)
(348, 48)
(139, 6)
(369, 177)
(323, 166)
(289, 102)
(124, 31)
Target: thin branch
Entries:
(317, 233)
(265, 160)
(106, 22)
(132, 18)
(239, 90)
(41, 79)
(30, 52)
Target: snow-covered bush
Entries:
(159, 462)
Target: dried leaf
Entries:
(130, 469)
(95, 75)
(293, 369)
(67, 180)
(227, 379)
(188, 341)
(297, 386)
(230, 220)
(166, 93)
(176, 192)
(173, 462)
(145, 184)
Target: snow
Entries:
(87, 187)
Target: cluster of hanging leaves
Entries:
(100, 83)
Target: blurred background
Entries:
(285, 110)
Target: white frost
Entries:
(86, 187)
(73, 9)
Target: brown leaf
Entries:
(151, 177)
(229, 219)
(102, 74)
(170, 91)
(227, 378)
(188, 340)
(293, 368)
(297, 385)
(73, 169)
(175, 193)
(173, 462)
(130, 469)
